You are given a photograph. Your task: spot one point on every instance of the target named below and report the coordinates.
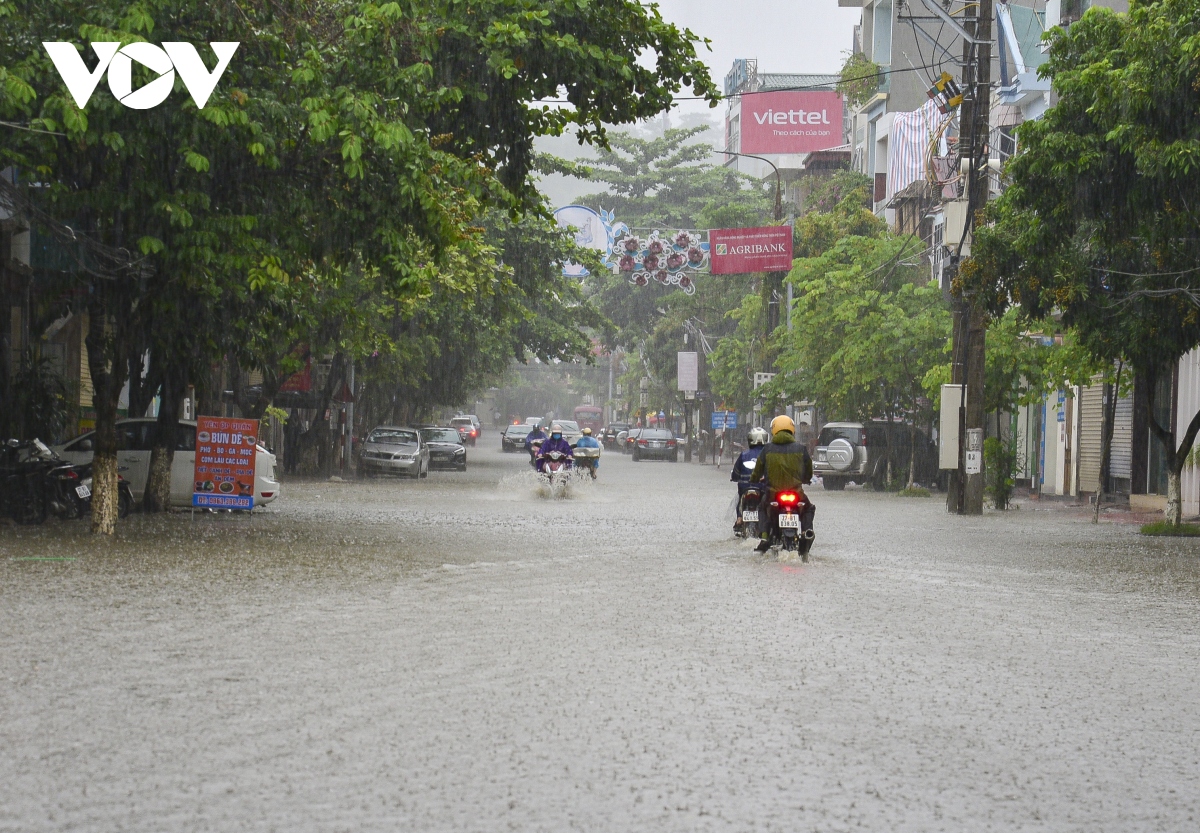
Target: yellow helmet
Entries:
(782, 422)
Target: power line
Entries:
(799, 88)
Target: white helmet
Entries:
(758, 436)
(556, 428)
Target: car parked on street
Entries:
(513, 437)
(445, 448)
(135, 439)
(608, 437)
(467, 426)
(655, 444)
(858, 452)
(391, 449)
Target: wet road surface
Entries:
(463, 653)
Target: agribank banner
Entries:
(735, 251)
(791, 122)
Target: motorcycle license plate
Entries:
(789, 521)
(83, 491)
(750, 516)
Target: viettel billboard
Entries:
(735, 251)
(791, 122)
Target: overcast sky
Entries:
(784, 35)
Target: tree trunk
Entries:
(107, 364)
(1174, 510)
(157, 497)
(1175, 457)
(1110, 418)
(912, 454)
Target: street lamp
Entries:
(778, 181)
(777, 282)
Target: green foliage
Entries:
(341, 175)
(1169, 529)
(914, 491)
(1024, 361)
(39, 402)
(866, 330)
(858, 79)
(667, 183)
(1001, 466)
(1099, 224)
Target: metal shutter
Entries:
(1091, 416)
(1121, 461)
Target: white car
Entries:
(134, 438)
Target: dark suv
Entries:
(859, 451)
(851, 451)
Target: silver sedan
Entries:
(389, 449)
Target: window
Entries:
(393, 436)
(832, 432)
(185, 438)
(134, 436)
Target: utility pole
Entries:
(965, 492)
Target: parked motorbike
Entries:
(23, 483)
(124, 493)
(587, 460)
(791, 529)
(66, 495)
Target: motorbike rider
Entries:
(588, 441)
(554, 443)
(784, 465)
(536, 435)
(743, 466)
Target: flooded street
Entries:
(462, 653)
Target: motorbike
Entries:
(791, 529)
(587, 459)
(748, 511)
(66, 494)
(556, 467)
(124, 493)
(535, 449)
(23, 468)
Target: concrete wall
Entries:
(1186, 406)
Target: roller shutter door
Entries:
(1121, 465)
(1091, 420)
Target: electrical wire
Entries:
(798, 88)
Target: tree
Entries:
(867, 329)
(668, 182)
(341, 169)
(1101, 221)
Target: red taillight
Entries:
(788, 498)
(862, 440)
(670, 443)
(266, 494)
(641, 442)
(72, 474)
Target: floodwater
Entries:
(468, 653)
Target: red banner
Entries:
(301, 382)
(225, 456)
(735, 251)
(790, 122)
